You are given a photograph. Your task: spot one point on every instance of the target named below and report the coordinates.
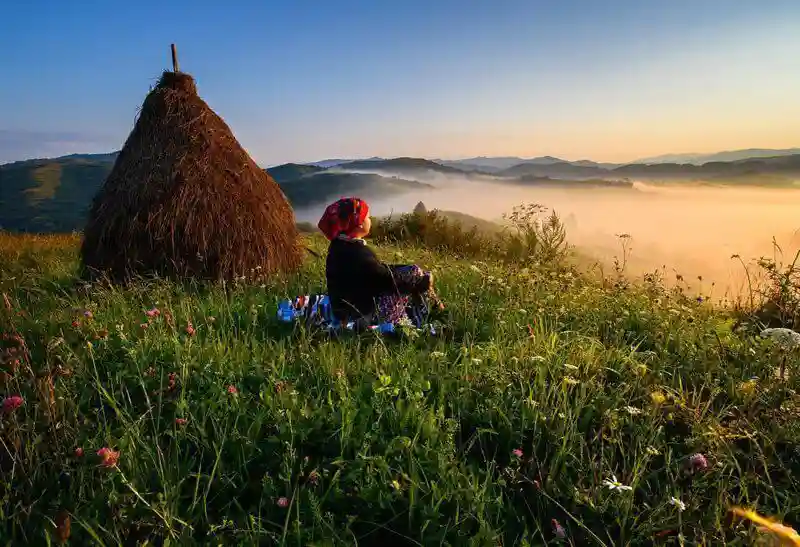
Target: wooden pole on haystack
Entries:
(174, 58)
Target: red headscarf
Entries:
(343, 217)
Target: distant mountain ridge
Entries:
(726, 156)
(53, 195)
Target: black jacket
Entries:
(356, 278)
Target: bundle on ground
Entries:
(185, 199)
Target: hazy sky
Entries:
(610, 80)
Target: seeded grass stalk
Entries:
(547, 386)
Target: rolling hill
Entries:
(291, 171)
(323, 187)
(400, 166)
(727, 156)
(559, 169)
(787, 166)
(53, 195)
(500, 163)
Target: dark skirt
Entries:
(392, 308)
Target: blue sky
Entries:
(610, 80)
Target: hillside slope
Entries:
(553, 409)
(322, 187)
(54, 195)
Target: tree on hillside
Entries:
(420, 209)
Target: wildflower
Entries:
(558, 530)
(786, 338)
(396, 485)
(180, 421)
(437, 354)
(76, 324)
(698, 462)
(313, 478)
(283, 502)
(476, 361)
(10, 404)
(658, 398)
(787, 533)
(517, 452)
(652, 451)
(144, 326)
(749, 387)
(102, 334)
(632, 410)
(569, 380)
(88, 314)
(89, 345)
(79, 452)
(190, 329)
(677, 503)
(232, 389)
(211, 319)
(109, 457)
(613, 484)
(154, 312)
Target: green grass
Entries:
(372, 441)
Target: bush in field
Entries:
(773, 300)
(532, 235)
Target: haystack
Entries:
(184, 199)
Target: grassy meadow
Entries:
(557, 409)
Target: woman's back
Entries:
(355, 278)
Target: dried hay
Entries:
(184, 199)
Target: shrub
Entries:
(774, 293)
(533, 234)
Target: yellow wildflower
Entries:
(748, 388)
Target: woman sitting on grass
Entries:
(361, 287)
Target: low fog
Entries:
(691, 230)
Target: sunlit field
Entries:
(555, 408)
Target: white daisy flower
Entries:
(614, 484)
(677, 503)
(632, 410)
